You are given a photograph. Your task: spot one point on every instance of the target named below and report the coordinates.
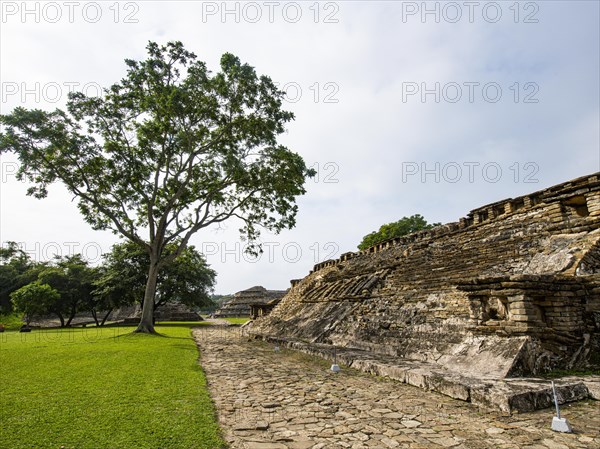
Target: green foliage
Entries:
(11, 321)
(404, 226)
(118, 282)
(16, 270)
(105, 388)
(122, 277)
(160, 149)
(73, 279)
(34, 299)
(167, 151)
(70, 277)
(188, 279)
(216, 302)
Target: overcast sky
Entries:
(434, 108)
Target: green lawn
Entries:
(104, 388)
(237, 320)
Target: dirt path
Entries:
(217, 321)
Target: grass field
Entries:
(104, 388)
(237, 320)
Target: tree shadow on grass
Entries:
(133, 334)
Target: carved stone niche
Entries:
(488, 308)
(539, 311)
(496, 308)
(576, 206)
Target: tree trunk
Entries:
(95, 317)
(106, 317)
(61, 318)
(147, 322)
(71, 316)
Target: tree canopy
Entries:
(34, 299)
(188, 280)
(73, 278)
(16, 270)
(404, 226)
(165, 152)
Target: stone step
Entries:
(508, 396)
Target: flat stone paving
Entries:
(288, 400)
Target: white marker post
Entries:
(335, 367)
(559, 424)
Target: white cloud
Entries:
(362, 140)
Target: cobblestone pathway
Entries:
(287, 400)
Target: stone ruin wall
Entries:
(512, 289)
(241, 304)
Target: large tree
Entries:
(73, 278)
(187, 280)
(404, 226)
(165, 152)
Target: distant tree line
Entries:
(404, 226)
(218, 301)
(69, 285)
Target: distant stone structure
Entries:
(126, 313)
(252, 302)
(175, 311)
(511, 290)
